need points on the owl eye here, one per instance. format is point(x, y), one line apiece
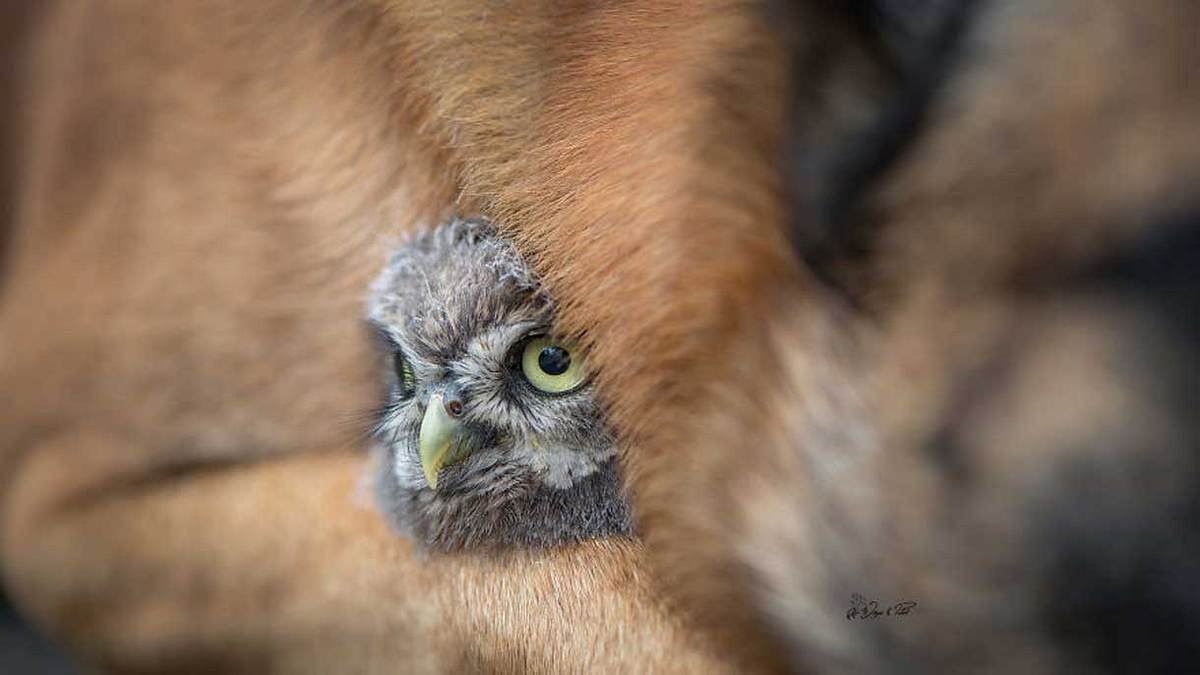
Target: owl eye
point(405, 378)
point(552, 367)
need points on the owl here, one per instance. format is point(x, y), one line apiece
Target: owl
point(490, 434)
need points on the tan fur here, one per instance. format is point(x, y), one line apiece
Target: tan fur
point(808, 472)
point(271, 567)
point(206, 188)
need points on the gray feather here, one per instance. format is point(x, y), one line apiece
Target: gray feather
point(458, 302)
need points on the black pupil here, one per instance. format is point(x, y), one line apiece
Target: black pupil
point(554, 360)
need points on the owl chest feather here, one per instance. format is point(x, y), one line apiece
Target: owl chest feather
point(518, 510)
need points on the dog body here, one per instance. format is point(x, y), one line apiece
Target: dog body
point(205, 191)
point(870, 366)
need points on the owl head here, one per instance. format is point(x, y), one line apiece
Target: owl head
point(490, 431)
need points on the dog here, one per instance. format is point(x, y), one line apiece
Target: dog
point(888, 303)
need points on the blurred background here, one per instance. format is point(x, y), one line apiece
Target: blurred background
point(1016, 222)
point(24, 650)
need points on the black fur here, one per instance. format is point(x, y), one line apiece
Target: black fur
point(905, 50)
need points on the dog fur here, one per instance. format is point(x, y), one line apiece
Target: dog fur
point(830, 375)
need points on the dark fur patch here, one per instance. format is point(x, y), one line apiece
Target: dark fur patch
point(1163, 269)
point(911, 48)
point(1121, 592)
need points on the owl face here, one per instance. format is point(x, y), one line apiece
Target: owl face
point(490, 430)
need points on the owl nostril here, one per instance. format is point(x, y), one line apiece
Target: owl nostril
point(454, 407)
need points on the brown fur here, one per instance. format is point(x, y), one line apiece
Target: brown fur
point(206, 190)
point(983, 411)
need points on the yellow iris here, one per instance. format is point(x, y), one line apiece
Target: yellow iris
point(552, 366)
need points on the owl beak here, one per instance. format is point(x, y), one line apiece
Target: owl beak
point(439, 438)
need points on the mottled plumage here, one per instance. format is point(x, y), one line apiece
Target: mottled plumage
point(457, 307)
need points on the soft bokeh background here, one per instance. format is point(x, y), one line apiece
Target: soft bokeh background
point(23, 650)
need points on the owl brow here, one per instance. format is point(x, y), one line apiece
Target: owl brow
point(511, 334)
point(384, 338)
point(388, 342)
